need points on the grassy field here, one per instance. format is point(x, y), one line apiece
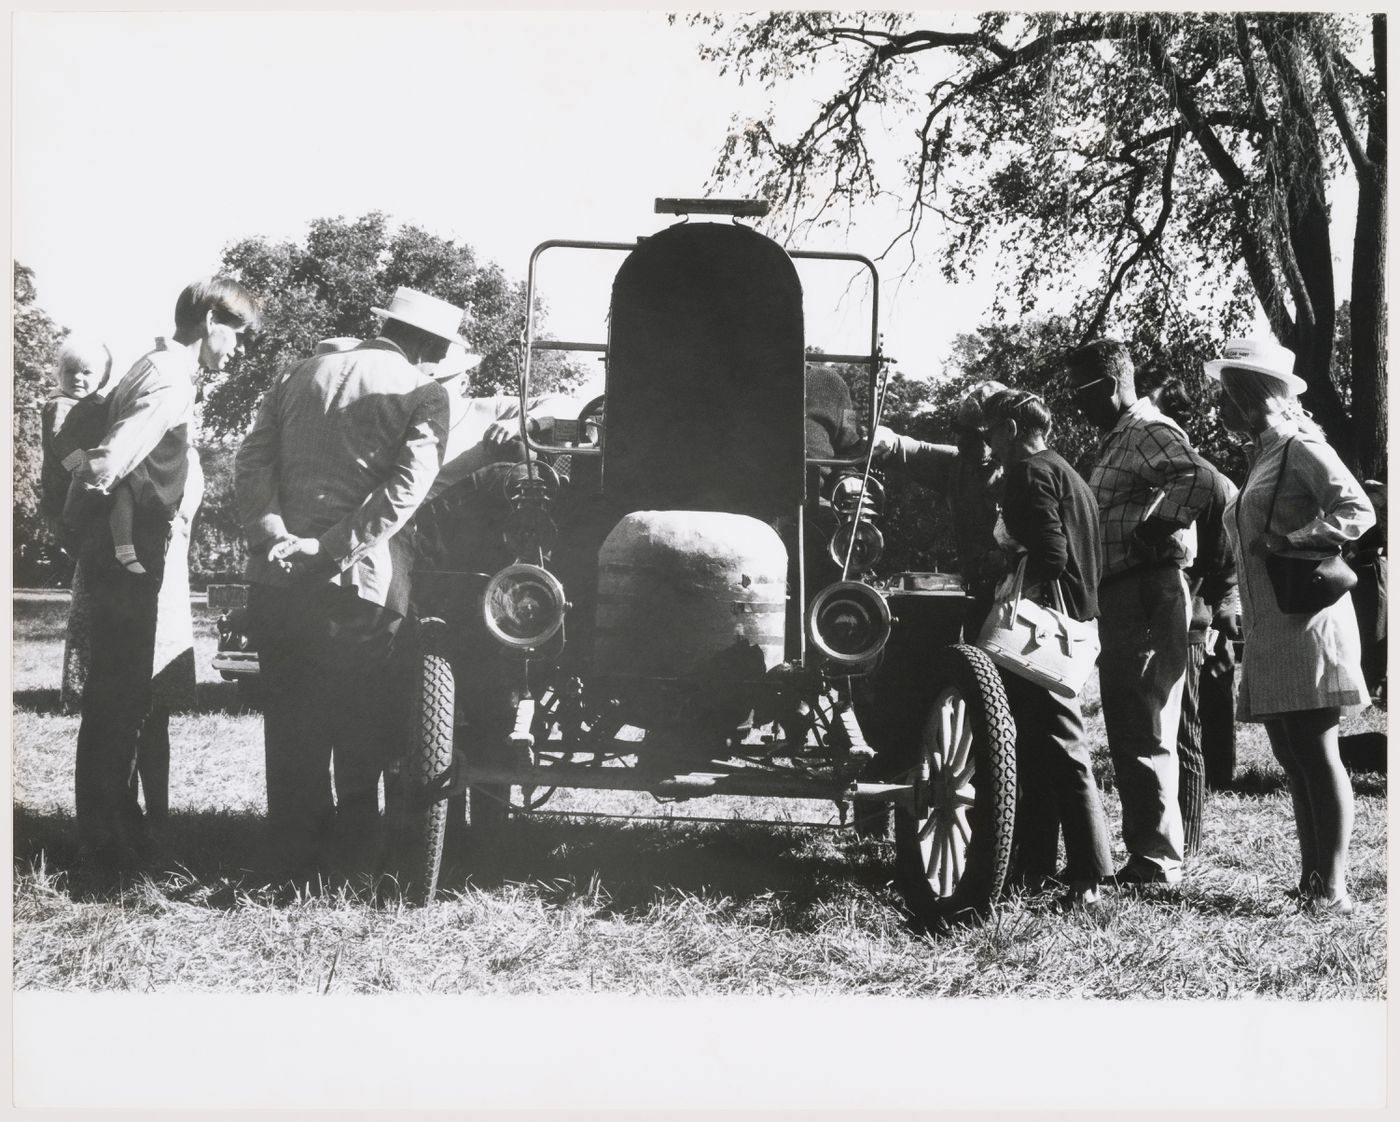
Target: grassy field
point(645, 907)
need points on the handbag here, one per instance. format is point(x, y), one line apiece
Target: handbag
point(1040, 643)
point(1305, 581)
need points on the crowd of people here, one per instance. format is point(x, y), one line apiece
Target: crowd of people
point(1157, 545)
point(1170, 558)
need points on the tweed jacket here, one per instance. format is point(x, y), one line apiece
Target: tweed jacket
point(344, 449)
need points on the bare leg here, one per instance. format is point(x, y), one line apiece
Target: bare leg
point(1278, 731)
point(1312, 736)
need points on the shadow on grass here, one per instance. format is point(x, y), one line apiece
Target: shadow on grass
point(637, 863)
point(210, 697)
point(1258, 782)
point(217, 859)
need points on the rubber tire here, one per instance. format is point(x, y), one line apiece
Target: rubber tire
point(1216, 698)
point(422, 829)
point(964, 676)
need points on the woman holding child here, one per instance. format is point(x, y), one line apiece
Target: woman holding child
point(141, 481)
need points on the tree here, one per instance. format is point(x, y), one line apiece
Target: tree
point(1184, 158)
point(328, 284)
point(35, 554)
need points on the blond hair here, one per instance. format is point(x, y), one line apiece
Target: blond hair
point(1254, 391)
point(82, 352)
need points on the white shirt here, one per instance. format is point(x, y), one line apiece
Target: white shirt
point(465, 450)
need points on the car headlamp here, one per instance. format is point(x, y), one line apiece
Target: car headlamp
point(869, 548)
point(524, 606)
point(849, 622)
point(846, 497)
point(534, 481)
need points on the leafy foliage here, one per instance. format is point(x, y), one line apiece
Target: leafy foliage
point(36, 556)
point(327, 285)
point(322, 286)
point(1160, 170)
point(1029, 354)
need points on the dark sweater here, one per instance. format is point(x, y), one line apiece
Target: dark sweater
point(1050, 510)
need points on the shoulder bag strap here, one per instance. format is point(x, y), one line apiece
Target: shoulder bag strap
point(1283, 463)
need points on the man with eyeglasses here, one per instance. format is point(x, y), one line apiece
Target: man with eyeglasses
point(1150, 486)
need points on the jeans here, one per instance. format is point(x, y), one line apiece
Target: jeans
point(1142, 668)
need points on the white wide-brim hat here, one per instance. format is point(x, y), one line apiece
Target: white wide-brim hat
point(454, 364)
point(1261, 356)
point(427, 313)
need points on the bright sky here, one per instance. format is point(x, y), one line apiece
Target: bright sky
point(146, 142)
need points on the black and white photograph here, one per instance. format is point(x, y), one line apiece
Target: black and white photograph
point(614, 560)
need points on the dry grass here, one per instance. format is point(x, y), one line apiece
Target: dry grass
point(640, 907)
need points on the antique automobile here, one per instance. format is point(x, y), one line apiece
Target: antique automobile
point(235, 658)
point(646, 603)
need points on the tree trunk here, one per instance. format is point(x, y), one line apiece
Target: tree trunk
point(1368, 311)
point(1307, 238)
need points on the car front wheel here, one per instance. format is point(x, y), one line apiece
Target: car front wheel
point(953, 851)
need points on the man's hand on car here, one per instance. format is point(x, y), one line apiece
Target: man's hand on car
point(885, 441)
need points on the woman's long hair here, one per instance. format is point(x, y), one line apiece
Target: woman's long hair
point(1251, 390)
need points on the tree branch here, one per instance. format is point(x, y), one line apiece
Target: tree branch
point(916, 41)
point(1326, 71)
point(1147, 241)
point(1252, 248)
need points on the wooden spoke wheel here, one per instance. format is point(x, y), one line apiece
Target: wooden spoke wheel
point(952, 853)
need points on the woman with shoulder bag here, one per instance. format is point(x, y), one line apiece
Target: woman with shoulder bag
point(1302, 660)
point(1050, 512)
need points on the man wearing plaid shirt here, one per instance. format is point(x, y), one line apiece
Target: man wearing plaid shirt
point(1150, 488)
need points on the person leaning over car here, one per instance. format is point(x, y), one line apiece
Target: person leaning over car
point(966, 475)
point(969, 477)
point(1150, 488)
point(344, 449)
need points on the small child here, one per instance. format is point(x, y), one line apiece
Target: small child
point(84, 366)
point(75, 419)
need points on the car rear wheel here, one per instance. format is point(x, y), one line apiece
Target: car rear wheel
point(426, 769)
point(952, 853)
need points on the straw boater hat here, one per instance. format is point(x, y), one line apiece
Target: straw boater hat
point(1259, 356)
point(455, 363)
point(427, 313)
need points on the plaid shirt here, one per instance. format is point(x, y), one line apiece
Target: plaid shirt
point(1146, 467)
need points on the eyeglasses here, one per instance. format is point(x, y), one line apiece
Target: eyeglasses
point(1079, 391)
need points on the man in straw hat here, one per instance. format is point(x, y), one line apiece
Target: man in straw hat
point(344, 449)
